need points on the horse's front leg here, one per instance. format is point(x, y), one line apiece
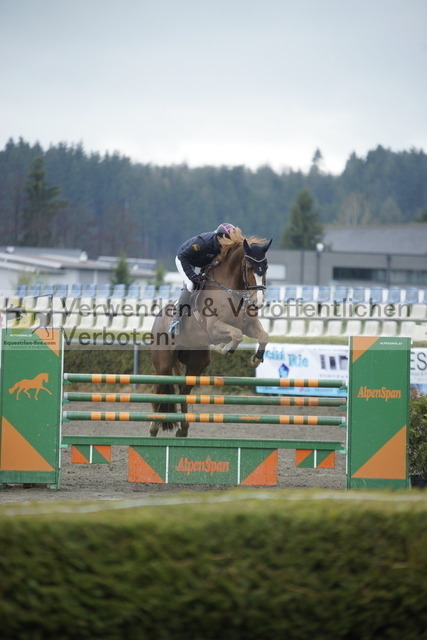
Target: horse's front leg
point(225, 337)
point(254, 329)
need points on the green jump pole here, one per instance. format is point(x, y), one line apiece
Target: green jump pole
point(281, 401)
point(125, 416)
point(112, 378)
point(223, 443)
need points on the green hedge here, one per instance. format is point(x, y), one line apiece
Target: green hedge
point(93, 360)
point(294, 566)
point(417, 441)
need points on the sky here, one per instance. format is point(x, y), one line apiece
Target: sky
point(216, 82)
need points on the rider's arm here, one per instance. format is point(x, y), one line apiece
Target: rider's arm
point(189, 255)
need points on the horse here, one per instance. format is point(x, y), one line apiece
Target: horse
point(221, 313)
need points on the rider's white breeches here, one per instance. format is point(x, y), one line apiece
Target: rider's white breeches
point(187, 282)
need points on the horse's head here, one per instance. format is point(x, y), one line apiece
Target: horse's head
point(255, 270)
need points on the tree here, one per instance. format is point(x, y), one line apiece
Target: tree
point(121, 273)
point(304, 230)
point(159, 277)
point(41, 208)
point(316, 161)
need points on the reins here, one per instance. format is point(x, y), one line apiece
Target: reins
point(248, 287)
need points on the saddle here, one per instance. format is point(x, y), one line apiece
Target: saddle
point(186, 305)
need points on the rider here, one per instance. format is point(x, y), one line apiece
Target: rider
point(195, 252)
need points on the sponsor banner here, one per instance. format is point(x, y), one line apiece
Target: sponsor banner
point(325, 362)
point(418, 370)
point(328, 362)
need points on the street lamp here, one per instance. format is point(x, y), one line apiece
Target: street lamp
point(319, 250)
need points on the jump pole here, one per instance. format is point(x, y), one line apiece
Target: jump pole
point(31, 416)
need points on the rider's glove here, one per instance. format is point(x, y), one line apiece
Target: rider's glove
point(197, 279)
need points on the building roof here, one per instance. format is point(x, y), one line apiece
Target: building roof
point(54, 260)
point(407, 239)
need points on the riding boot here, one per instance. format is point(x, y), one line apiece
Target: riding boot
point(181, 308)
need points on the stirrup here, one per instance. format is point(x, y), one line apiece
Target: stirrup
point(175, 327)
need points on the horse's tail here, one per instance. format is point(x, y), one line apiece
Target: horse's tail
point(168, 407)
point(164, 407)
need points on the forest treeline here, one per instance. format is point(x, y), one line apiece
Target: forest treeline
point(111, 205)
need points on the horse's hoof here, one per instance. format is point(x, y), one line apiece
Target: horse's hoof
point(254, 361)
point(219, 348)
point(181, 434)
point(154, 429)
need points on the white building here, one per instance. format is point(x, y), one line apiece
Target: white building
point(63, 267)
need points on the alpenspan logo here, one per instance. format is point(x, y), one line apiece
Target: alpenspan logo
point(382, 394)
point(208, 465)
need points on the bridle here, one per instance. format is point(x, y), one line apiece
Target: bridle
point(248, 287)
point(262, 268)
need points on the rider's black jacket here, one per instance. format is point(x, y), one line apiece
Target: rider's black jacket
point(198, 252)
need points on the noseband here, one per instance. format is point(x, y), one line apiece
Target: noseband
point(262, 268)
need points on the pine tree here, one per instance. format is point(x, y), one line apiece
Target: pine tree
point(41, 208)
point(304, 230)
point(121, 273)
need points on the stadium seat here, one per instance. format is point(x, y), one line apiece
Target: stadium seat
point(21, 290)
point(279, 327)
point(371, 328)
point(323, 293)
point(103, 290)
point(353, 328)
point(389, 328)
point(358, 294)
point(296, 327)
point(61, 290)
point(75, 290)
point(118, 291)
point(272, 294)
point(290, 292)
point(411, 295)
point(418, 312)
point(340, 293)
point(392, 295)
point(133, 291)
point(89, 290)
point(334, 328)
point(375, 295)
point(149, 291)
point(315, 328)
point(307, 293)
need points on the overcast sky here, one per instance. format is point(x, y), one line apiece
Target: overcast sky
point(218, 82)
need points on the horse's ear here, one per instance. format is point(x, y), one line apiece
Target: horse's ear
point(246, 245)
point(266, 246)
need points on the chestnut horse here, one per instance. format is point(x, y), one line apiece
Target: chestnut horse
point(221, 313)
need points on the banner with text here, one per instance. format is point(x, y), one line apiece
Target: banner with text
point(325, 362)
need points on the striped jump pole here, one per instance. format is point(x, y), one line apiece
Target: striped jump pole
point(229, 418)
point(281, 401)
point(195, 381)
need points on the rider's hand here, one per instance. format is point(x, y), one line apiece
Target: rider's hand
point(197, 279)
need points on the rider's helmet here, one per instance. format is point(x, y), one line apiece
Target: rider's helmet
point(224, 229)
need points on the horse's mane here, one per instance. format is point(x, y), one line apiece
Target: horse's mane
point(235, 241)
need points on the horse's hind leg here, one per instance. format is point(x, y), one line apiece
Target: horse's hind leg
point(158, 407)
point(195, 362)
point(164, 361)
